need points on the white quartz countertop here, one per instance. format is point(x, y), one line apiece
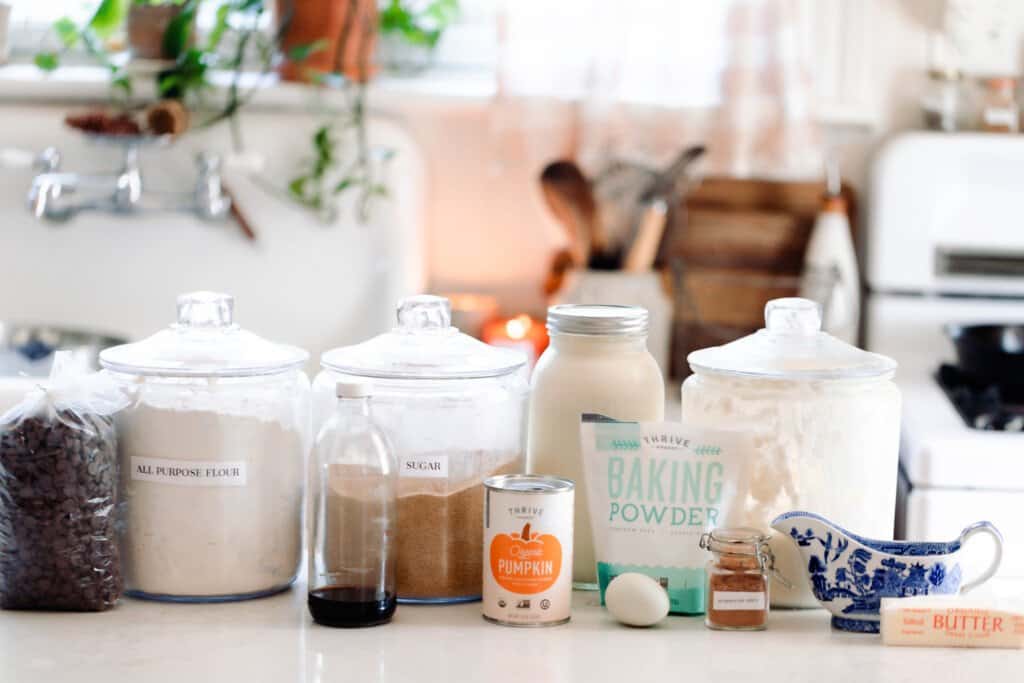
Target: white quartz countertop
point(274, 640)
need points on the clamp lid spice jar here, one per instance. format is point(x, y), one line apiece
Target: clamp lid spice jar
point(212, 452)
point(454, 409)
point(737, 579)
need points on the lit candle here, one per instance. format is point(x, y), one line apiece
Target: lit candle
point(470, 312)
point(520, 332)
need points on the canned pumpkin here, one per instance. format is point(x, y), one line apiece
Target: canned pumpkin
point(528, 522)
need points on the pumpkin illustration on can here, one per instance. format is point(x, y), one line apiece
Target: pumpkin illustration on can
point(526, 562)
point(527, 550)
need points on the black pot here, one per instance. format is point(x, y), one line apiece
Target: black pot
point(992, 355)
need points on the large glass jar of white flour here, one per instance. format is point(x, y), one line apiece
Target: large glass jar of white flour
point(597, 362)
point(212, 455)
point(825, 421)
point(455, 411)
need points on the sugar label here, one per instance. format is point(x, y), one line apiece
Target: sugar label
point(189, 472)
point(737, 600)
point(425, 466)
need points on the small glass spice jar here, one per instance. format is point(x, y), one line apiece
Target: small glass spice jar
point(737, 579)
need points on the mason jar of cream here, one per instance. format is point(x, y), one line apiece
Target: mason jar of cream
point(597, 362)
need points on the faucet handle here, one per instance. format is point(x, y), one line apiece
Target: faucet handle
point(208, 163)
point(48, 160)
point(210, 199)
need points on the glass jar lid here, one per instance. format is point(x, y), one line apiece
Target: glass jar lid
point(424, 345)
point(598, 320)
point(792, 345)
point(205, 342)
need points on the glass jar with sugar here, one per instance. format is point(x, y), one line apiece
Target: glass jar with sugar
point(455, 410)
point(212, 453)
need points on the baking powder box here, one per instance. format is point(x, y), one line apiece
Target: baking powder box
point(527, 550)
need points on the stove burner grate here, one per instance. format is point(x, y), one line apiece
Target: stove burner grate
point(981, 406)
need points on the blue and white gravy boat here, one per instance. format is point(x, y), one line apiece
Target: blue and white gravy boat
point(850, 574)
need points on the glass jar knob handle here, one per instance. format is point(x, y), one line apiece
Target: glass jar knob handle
point(424, 312)
point(206, 309)
point(792, 315)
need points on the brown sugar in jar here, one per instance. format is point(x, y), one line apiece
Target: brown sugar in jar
point(737, 579)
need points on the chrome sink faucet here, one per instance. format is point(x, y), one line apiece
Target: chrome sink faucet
point(58, 196)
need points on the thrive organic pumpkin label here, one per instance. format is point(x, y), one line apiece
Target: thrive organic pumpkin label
point(526, 562)
point(527, 554)
point(653, 489)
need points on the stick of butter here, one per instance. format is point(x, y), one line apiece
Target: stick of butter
point(952, 621)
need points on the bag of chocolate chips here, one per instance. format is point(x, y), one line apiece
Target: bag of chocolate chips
point(59, 510)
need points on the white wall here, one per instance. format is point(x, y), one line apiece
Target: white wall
point(488, 228)
point(302, 282)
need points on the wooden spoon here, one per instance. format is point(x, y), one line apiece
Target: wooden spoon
point(571, 199)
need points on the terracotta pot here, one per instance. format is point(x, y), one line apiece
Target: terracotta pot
point(349, 28)
point(146, 27)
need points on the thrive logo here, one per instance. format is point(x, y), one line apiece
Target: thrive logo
point(670, 440)
point(674, 441)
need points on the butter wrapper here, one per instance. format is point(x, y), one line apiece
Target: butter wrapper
point(952, 621)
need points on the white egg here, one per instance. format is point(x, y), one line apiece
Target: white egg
point(636, 599)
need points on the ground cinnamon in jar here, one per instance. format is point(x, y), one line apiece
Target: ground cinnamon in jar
point(737, 579)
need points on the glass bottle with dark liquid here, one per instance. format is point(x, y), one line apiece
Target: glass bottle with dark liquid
point(355, 484)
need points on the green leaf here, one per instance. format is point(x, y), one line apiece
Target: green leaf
point(122, 83)
point(67, 31)
point(220, 25)
point(423, 27)
point(109, 17)
point(301, 53)
point(179, 30)
point(47, 61)
point(415, 35)
point(167, 83)
point(379, 190)
point(344, 185)
point(297, 187)
point(444, 12)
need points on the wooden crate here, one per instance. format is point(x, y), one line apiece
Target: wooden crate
point(735, 245)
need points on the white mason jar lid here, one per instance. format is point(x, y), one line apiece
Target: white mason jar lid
point(598, 320)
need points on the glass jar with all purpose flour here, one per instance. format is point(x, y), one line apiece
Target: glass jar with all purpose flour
point(454, 409)
point(824, 418)
point(212, 454)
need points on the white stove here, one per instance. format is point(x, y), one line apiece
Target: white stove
point(946, 245)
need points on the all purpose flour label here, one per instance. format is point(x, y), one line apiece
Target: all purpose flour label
point(189, 472)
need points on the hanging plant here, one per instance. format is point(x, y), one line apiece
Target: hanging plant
point(326, 43)
point(411, 30)
point(92, 35)
point(341, 159)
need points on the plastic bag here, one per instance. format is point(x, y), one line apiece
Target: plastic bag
point(654, 488)
point(59, 512)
